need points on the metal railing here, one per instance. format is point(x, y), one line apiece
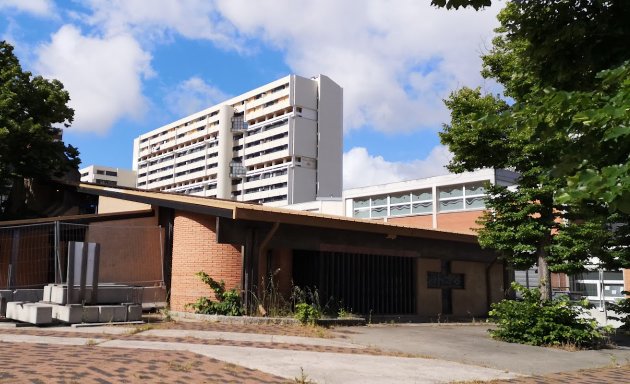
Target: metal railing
point(32, 256)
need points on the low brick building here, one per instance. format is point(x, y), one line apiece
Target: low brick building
point(371, 267)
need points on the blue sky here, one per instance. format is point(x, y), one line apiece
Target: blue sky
point(134, 65)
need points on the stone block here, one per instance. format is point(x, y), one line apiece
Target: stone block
point(72, 313)
point(90, 314)
point(6, 295)
point(112, 313)
point(34, 313)
point(134, 312)
point(32, 295)
point(107, 294)
point(47, 293)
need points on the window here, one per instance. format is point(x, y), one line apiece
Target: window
point(111, 173)
point(396, 204)
point(460, 197)
point(596, 285)
point(105, 182)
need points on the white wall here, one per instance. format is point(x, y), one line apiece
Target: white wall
point(330, 145)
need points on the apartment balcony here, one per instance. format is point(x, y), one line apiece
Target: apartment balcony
point(266, 194)
point(267, 180)
point(237, 170)
point(238, 123)
point(271, 108)
point(278, 155)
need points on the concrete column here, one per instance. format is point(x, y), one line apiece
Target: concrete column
point(226, 143)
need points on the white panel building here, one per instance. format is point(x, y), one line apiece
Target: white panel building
point(278, 144)
point(111, 176)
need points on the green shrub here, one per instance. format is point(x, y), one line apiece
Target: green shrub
point(229, 302)
point(622, 309)
point(306, 313)
point(543, 322)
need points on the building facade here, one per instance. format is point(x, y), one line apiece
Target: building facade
point(450, 202)
point(278, 144)
point(110, 176)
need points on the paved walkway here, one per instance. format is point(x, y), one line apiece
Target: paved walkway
point(210, 353)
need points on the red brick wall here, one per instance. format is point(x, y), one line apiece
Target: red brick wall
point(195, 249)
point(458, 221)
point(453, 221)
point(626, 280)
point(424, 221)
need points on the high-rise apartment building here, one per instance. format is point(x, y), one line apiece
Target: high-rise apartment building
point(278, 144)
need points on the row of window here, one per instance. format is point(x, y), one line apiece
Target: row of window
point(267, 175)
point(450, 198)
point(266, 188)
point(267, 127)
point(105, 182)
point(266, 140)
point(202, 118)
point(106, 173)
point(267, 151)
point(272, 199)
point(608, 285)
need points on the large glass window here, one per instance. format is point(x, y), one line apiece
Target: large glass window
point(422, 195)
point(400, 198)
point(399, 210)
point(466, 196)
point(379, 200)
point(596, 285)
point(475, 202)
point(475, 189)
point(452, 191)
point(425, 207)
point(396, 204)
point(379, 212)
point(451, 205)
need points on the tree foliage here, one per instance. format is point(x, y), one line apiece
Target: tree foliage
point(449, 4)
point(31, 111)
point(544, 322)
point(564, 128)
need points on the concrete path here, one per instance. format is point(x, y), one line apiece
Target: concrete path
point(321, 367)
point(251, 337)
point(470, 344)
point(324, 367)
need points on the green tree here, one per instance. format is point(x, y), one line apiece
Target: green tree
point(32, 109)
point(477, 4)
point(549, 56)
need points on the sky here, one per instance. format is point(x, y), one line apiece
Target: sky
point(131, 66)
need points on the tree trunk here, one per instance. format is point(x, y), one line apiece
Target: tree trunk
point(545, 276)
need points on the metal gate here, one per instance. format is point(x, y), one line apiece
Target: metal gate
point(362, 283)
point(32, 256)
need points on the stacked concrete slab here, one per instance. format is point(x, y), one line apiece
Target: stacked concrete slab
point(114, 303)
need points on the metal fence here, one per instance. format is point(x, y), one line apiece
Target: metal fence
point(32, 256)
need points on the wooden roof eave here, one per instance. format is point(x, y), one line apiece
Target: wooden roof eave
point(344, 223)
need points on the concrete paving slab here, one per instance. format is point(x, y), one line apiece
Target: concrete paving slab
point(32, 339)
point(471, 344)
point(330, 367)
point(102, 329)
point(252, 337)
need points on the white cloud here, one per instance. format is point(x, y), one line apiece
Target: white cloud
point(102, 75)
point(193, 19)
point(42, 8)
point(193, 95)
point(362, 169)
point(396, 61)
